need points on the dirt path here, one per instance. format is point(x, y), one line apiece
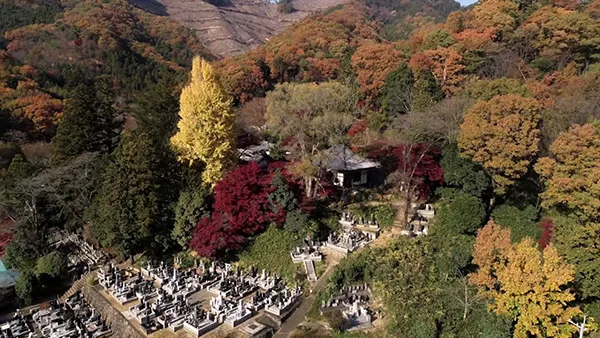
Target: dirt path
point(300, 313)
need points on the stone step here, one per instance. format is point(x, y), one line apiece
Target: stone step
point(309, 266)
point(76, 286)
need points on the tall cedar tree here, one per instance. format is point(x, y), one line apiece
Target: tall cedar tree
point(87, 124)
point(131, 210)
point(206, 126)
point(396, 95)
point(157, 110)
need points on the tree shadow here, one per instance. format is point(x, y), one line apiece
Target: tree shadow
point(152, 6)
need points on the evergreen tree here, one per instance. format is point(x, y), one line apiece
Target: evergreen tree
point(131, 211)
point(397, 91)
point(193, 204)
point(426, 91)
point(463, 174)
point(87, 124)
point(157, 111)
point(206, 125)
point(282, 198)
point(25, 287)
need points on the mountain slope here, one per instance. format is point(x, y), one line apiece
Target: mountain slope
point(237, 25)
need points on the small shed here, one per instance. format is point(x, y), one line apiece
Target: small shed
point(348, 168)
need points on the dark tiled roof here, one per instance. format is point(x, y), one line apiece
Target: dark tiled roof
point(340, 157)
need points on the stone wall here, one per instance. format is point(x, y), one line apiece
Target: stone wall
point(119, 325)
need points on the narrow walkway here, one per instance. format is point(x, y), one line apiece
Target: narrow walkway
point(300, 313)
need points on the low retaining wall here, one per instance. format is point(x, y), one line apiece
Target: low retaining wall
point(119, 325)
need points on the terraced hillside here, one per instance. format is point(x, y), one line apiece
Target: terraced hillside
point(233, 26)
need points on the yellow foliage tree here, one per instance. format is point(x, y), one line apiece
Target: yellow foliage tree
point(206, 126)
point(525, 284)
point(496, 14)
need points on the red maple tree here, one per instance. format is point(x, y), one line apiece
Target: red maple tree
point(242, 209)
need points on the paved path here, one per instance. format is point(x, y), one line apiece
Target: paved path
point(300, 313)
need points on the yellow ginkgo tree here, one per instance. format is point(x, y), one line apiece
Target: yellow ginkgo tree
point(205, 131)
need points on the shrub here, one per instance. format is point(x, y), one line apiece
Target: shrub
point(384, 214)
point(335, 319)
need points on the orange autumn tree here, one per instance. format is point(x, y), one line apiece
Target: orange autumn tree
point(372, 63)
point(445, 64)
point(524, 283)
point(42, 110)
point(502, 135)
point(561, 35)
point(571, 175)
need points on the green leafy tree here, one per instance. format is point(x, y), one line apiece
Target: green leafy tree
point(300, 224)
point(193, 204)
point(460, 213)
point(406, 282)
point(397, 91)
point(426, 91)
point(53, 264)
point(487, 89)
point(25, 287)
point(22, 252)
point(521, 222)
point(87, 124)
point(437, 38)
point(282, 197)
point(463, 174)
point(579, 244)
point(312, 118)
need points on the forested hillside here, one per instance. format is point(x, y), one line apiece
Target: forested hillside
point(51, 47)
point(109, 129)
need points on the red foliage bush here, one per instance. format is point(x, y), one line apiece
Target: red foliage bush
point(214, 235)
point(357, 128)
point(242, 209)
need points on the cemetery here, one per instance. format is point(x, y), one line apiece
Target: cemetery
point(197, 300)
point(355, 232)
point(81, 252)
point(17, 327)
point(308, 255)
point(74, 318)
point(205, 298)
point(420, 221)
point(353, 302)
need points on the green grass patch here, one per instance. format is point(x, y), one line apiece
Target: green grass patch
point(271, 251)
point(320, 268)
